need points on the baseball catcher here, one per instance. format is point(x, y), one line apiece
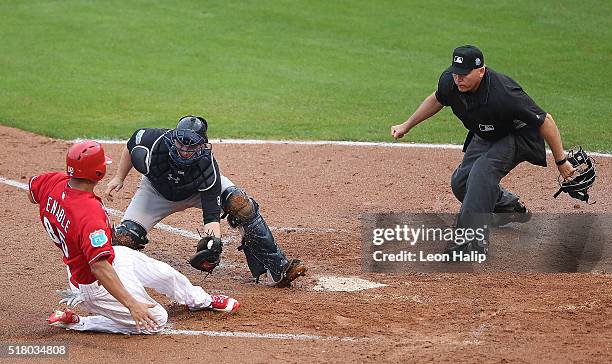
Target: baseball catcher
point(180, 171)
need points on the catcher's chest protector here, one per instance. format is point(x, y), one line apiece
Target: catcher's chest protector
point(176, 184)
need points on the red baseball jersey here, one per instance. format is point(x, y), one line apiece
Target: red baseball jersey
point(77, 223)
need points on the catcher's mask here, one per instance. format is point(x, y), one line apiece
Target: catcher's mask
point(86, 160)
point(188, 142)
point(578, 185)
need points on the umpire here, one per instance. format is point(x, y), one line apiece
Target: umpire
point(505, 127)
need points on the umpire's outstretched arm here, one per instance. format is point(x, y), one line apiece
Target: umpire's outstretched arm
point(428, 108)
point(550, 133)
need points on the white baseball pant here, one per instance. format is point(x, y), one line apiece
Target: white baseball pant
point(136, 271)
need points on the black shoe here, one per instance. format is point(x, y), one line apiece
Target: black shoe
point(480, 246)
point(517, 213)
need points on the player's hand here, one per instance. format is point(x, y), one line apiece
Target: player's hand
point(142, 317)
point(398, 131)
point(115, 184)
point(566, 170)
point(69, 297)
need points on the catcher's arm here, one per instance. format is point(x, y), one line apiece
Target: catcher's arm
point(116, 183)
point(550, 133)
point(208, 254)
point(213, 228)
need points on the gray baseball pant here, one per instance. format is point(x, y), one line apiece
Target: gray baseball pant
point(148, 207)
point(476, 180)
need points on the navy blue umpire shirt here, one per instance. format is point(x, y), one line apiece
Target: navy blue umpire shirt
point(498, 107)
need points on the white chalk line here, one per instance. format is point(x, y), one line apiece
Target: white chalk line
point(10, 182)
point(187, 233)
point(336, 142)
point(195, 236)
point(253, 335)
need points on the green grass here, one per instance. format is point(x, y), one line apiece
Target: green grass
point(341, 70)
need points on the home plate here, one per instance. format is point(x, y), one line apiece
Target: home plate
point(344, 284)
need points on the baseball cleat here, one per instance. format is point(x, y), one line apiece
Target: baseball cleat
point(63, 319)
point(223, 303)
point(295, 268)
point(517, 213)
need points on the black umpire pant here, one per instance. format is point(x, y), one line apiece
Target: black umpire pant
point(475, 182)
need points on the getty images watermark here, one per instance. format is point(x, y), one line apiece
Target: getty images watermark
point(427, 242)
point(412, 236)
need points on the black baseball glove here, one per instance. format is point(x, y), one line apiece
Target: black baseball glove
point(208, 254)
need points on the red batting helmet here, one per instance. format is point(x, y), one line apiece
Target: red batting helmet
point(86, 160)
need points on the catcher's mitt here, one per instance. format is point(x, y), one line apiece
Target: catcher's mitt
point(578, 185)
point(208, 254)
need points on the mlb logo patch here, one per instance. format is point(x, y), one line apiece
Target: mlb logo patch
point(98, 238)
point(486, 127)
point(458, 59)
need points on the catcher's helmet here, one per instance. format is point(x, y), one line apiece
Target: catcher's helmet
point(584, 177)
point(86, 160)
point(188, 142)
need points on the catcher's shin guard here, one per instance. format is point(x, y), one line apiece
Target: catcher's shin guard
point(262, 253)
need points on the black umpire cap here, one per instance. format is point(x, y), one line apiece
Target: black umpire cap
point(465, 59)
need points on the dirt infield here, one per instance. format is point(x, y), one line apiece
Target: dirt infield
point(314, 195)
